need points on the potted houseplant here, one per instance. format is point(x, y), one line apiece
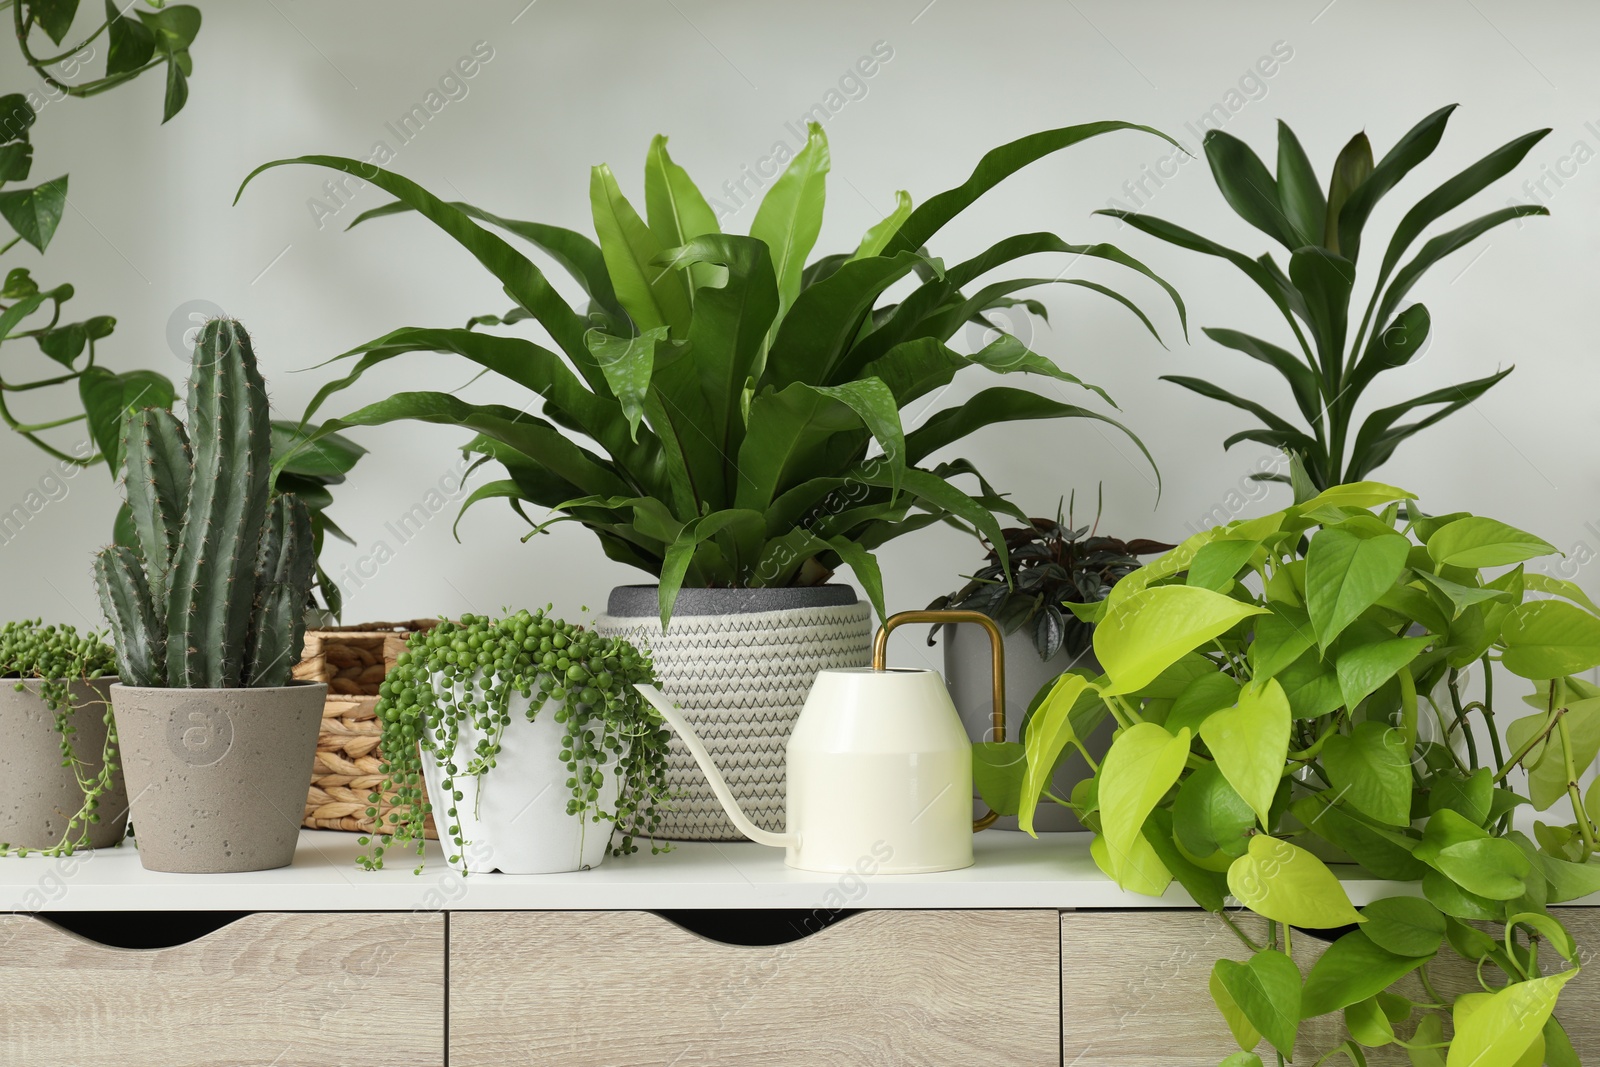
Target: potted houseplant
point(208, 614)
point(1326, 716)
point(1329, 364)
point(741, 410)
point(1053, 568)
point(61, 788)
point(540, 753)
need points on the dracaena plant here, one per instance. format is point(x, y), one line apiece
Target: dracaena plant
point(726, 413)
point(1332, 355)
point(1292, 689)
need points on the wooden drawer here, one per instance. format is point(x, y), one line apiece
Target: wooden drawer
point(1135, 990)
point(630, 988)
point(271, 989)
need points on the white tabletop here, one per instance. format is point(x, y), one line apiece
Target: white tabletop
point(1012, 871)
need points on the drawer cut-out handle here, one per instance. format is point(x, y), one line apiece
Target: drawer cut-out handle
point(142, 929)
point(755, 926)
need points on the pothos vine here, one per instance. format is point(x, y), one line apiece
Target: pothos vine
point(54, 658)
point(467, 674)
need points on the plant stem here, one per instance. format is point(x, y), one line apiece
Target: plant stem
point(1239, 933)
point(1527, 746)
point(1461, 718)
point(1488, 708)
point(1584, 826)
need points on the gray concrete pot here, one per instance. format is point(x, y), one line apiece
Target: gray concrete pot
point(38, 796)
point(218, 776)
point(966, 672)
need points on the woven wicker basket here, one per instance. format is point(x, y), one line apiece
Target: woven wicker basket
point(353, 660)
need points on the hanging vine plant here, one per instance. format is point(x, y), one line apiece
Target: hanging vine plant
point(55, 657)
point(467, 674)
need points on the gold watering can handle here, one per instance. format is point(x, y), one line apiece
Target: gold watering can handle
point(880, 662)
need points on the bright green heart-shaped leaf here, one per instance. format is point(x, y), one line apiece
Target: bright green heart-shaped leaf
point(1050, 730)
point(1545, 583)
point(1496, 1029)
point(1142, 765)
point(1489, 867)
point(1311, 686)
point(1370, 770)
point(1210, 816)
point(1216, 563)
point(1239, 1025)
point(1460, 597)
point(1267, 991)
point(1141, 870)
point(1346, 573)
point(1280, 638)
point(1144, 634)
point(1352, 969)
point(1283, 882)
point(1429, 1033)
point(1241, 1059)
point(1367, 1023)
point(1475, 542)
point(1200, 699)
point(1569, 880)
point(1458, 903)
point(1355, 495)
point(1405, 926)
point(997, 770)
point(1550, 638)
point(1209, 888)
point(1250, 743)
point(1471, 796)
point(1362, 669)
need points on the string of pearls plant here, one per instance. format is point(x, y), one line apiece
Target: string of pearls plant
point(55, 657)
point(468, 672)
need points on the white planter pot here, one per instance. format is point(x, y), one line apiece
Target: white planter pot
point(739, 663)
point(966, 671)
point(515, 821)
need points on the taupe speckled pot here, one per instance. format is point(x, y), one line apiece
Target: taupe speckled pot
point(38, 796)
point(217, 777)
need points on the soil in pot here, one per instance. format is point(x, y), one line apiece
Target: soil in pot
point(218, 777)
point(739, 662)
point(38, 795)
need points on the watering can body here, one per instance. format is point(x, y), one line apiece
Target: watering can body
point(879, 775)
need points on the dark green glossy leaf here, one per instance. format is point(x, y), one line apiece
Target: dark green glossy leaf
point(1352, 968)
point(1248, 187)
point(1372, 182)
point(1302, 380)
point(130, 42)
point(54, 17)
point(1299, 195)
point(1404, 926)
point(1379, 852)
point(35, 213)
point(1209, 816)
point(107, 397)
point(1369, 769)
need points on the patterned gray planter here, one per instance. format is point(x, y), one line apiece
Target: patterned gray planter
point(739, 662)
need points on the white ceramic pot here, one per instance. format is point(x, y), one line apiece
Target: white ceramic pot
point(966, 671)
point(515, 821)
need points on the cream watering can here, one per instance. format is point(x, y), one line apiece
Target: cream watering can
point(879, 765)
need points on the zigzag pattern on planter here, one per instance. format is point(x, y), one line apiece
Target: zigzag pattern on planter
point(741, 681)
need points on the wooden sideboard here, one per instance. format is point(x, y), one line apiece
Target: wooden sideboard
point(1030, 958)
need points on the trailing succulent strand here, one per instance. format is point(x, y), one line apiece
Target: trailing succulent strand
point(467, 673)
point(211, 596)
point(55, 657)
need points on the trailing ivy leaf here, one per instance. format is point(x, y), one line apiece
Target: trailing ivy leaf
point(1209, 816)
point(997, 772)
point(1215, 564)
point(1489, 867)
point(1378, 852)
point(1352, 969)
point(1143, 763)
point(177, 93)
point(1280, 881)
point(1050, 729)
point(1280, 639)
point(1208, 888)
point(1404, 926)
point(1241, 1059)
point(1250, 743)
point(1365, 667)
point(107, 397)
point(1140, 871)
point(35, 213)
point(1266, 990)
point(16, 160)
point(1239, 1025)
point(1311, 686)
point(1549, 639)
point(1475, 542)
point(1470, 796)
point(1495, 1029)
point(1346, 573)
point(1200, 699)
point(131, 44)
point(54, 17)
point(1370, 769)
point(1144, 634)
point(1368, 1024)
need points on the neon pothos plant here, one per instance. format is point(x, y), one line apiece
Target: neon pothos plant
point(1279, 708)
point(743, 406)
point(1328, 367)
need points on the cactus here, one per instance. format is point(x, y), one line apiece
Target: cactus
point(211, 597)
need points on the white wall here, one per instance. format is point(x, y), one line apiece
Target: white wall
point(151, 229)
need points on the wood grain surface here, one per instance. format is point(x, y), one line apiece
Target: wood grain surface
point(1134, 989)
point(630, 988)
point(271, 990)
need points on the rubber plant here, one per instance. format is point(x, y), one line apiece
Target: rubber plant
point(1291, 690)
point(469, 672)
point(214, 595)
point(55, 657)
point(743, 405)
point(1329, 365)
